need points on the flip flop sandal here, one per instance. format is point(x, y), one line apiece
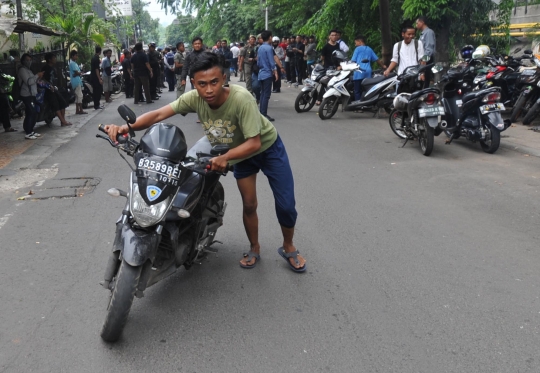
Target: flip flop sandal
point(250, 255)
point(67, 124)
point(287, 256)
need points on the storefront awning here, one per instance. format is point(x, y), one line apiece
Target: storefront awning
point(10, 25)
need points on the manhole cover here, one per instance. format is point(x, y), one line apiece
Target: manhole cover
point(72, 187)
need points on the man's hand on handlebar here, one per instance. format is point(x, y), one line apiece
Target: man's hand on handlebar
point(113, 131)
point(219, 164)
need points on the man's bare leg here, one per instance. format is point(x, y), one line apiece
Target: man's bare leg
point(288, 234)
point(248, 191)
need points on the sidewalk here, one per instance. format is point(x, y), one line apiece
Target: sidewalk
point(521, 139)
point(18, 153)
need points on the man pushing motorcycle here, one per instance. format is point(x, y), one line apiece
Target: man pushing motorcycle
point(229, 115)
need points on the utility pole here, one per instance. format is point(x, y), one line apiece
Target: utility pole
point(266, 16)
point(21, 35)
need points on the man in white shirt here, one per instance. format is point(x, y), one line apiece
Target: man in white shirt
point(235, 51)
point(406, 53)
point(342, 45)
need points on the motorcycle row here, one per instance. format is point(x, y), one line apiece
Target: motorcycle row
point(17, 108)
point(467, 102)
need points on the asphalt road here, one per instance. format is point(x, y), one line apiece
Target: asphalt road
point(415, 264)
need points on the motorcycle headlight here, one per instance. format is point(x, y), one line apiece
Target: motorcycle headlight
point(145, 215)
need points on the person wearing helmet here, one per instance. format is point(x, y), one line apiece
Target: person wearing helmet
point(407, 52)
point(466, 52)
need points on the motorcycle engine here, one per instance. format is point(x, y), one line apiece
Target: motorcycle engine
point(471, 122)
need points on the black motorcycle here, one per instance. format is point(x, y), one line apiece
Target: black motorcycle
point(474, 115)
point(529, 93)
point(174, 208)
point(417, 115)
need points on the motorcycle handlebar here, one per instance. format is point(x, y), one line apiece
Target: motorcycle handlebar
point(121, 138)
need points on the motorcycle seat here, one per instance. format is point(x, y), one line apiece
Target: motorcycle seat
point(469, 96)
point(372, 81)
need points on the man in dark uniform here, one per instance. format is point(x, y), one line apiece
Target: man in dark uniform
point(154, 57)
point(95, 78)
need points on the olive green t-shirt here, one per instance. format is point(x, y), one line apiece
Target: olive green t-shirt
point(237, 120)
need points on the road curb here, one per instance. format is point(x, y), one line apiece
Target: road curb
point(527, 150)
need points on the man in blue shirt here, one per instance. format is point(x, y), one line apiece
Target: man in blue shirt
point(267, 71)
point(76, 82)
point(363, 52)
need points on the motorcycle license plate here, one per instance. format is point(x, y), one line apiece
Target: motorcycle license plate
point(433, 111)
point(491, 108)
point(162, 170)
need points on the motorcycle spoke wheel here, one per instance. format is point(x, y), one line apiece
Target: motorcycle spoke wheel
point(328, 107)
point(304, 102)
point(396, 123)
point(120, 302)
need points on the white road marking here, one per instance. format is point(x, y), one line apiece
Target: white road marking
point(4, 220)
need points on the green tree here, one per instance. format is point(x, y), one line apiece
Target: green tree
point(459, 22)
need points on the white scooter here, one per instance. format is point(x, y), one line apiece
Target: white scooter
point(340, 89)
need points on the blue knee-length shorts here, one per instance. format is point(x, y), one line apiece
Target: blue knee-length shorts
point(274, 163)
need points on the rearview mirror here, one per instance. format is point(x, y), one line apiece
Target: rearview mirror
point(127, 114)
point(219, 149)
point(437, 68)
point(528, 51)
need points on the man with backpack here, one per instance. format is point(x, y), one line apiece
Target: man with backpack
point(168, 61)
point(407, 52)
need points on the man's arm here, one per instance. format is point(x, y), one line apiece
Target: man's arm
point(245, 150)
point(394, 61)
point(143, 122)
point(430, 43)
point(344, 47)
point(149, 69)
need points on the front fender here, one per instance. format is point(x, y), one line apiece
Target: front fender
point(332, 92)
point(136, 246)
point(308, 89)
point(494, 120)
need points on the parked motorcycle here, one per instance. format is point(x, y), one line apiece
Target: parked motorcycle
point(377, 92)
point(307, 97)
point(174, 208)
point(340, 90)
point(87, 90)
point(419, 112)
point(528, 103)
point(117, 78)
point(16, 108)
point(474, 115)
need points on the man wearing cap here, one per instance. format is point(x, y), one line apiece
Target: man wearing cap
point(247, 62)
point(154, 57)
point(280, 54)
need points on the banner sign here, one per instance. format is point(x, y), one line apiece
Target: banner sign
point(118, 8)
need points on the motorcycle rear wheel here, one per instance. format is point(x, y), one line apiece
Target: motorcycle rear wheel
point(328, 107)
point(304, 102)
point(426, 138)
point(120, 303)
point(493, 144)
point(531, 114)
point(396, 122)
point(517, 110)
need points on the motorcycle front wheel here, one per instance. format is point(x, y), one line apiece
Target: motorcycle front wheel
point(426, 138)
point(396, 123)
point(328, 107)
point(125, 285)
point(117, 88)
point(304, 102)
